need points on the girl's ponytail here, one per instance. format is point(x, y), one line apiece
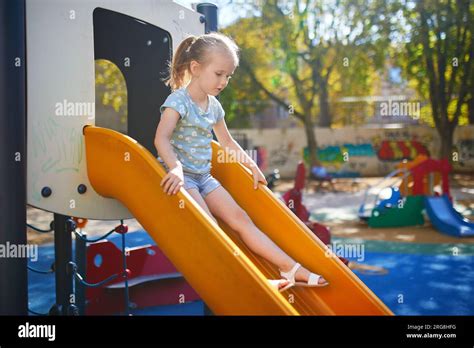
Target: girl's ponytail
point(200, 49)
point(179, 64)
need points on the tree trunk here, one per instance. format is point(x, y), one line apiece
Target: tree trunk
point(325, 112)
point(446, 135)
point(311, 140)
point(470, 107)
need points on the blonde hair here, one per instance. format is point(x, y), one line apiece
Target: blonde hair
point(200, 49)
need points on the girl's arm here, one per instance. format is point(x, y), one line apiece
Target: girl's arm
point(236, 152)
point(173, 181)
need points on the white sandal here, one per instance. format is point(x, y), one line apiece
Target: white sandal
point(313, 280)
point(275, 282)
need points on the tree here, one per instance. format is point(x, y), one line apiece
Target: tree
point(291, 50)
point(243, 97)
point(439, 52)
point(111, 91)
point(470, 99)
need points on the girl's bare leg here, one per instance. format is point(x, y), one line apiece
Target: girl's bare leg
point(222, 205)
point(198, 198)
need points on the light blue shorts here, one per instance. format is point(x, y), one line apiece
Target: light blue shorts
point(204, 183)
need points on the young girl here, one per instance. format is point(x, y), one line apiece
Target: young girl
point(200, 70)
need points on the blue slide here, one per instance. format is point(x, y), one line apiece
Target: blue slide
point(446, 219)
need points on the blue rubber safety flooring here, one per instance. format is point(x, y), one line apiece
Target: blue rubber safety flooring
point(422, 279)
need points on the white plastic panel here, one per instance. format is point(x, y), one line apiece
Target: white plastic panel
point(60, 67)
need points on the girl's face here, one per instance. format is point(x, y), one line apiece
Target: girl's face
point(214, 77)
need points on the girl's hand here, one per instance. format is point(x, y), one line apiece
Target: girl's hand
point(257, 176)
point(173, 181)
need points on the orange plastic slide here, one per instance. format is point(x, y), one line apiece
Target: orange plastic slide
point(224, 272)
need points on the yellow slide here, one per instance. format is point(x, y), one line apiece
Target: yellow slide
point(230, 279)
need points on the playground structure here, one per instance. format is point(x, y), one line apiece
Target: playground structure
point(49, 142)
point(77, 170)
point(406, 186)
point(422, 184)
point(293, 199)
point(152, 280)
point(230, 278)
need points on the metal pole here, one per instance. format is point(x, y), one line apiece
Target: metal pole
point(13, 271)
point(210, 16)
point(125, 275)
point(63, 255)
point(80, 291)
point(431, 184)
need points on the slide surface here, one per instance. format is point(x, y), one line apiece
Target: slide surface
point(446, 219)
point(221, 269)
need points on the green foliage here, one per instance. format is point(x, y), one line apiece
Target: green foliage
point(111, 89)
point(298, 51)
point(437, 47)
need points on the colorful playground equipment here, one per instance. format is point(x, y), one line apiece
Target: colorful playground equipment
point(384, 195)
point(57, 160)
point(424, 175)
point(220, 268)
point(293, 198)
point(42, 145)
point(447, 219)
point(406, 186)
point(152, 280)
point(417, 186)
